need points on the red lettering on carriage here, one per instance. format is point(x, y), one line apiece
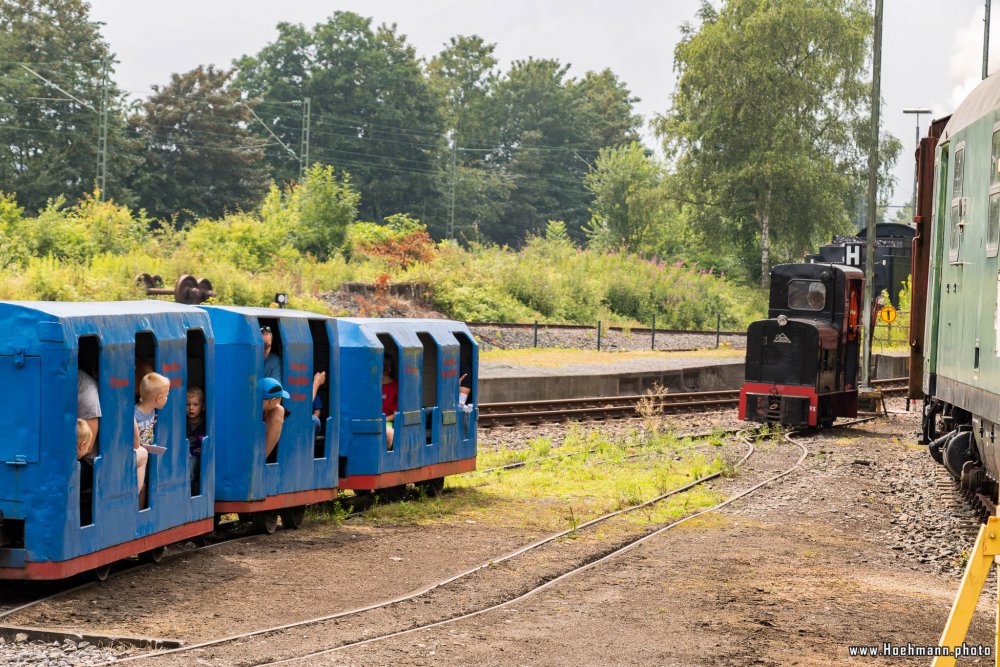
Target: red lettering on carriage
point(298, 397)
point(450, 362)
point(175, 383)
point(171, 368)
point(118, 383)
point(411, 370)
point(298, 381)
point(300, 367)
point(449, 374)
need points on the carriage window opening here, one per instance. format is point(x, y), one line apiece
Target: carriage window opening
point(993, 226)
point(145, 416)
point(806, 295)
point(321, 401)
point(12, 534)
point(995, 159)
point(428, 380)
point(270, 333)
point(955, 230)
point(959, 175)
point(465, 384)
point(88, 409)
point(196, 409)
point(391, 375)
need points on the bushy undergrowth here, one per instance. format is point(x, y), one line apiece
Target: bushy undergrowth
point(93, 250)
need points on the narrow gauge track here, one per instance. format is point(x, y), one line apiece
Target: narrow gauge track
point(618, 407)
point(232, 643)
point(31, 593)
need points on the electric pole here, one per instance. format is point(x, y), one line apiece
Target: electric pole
point(451, 203)
point(102, 134)
point(876, 100)
point(304, 150)
point(986, 42)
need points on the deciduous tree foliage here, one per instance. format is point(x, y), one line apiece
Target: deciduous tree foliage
point(768, 121)
point(48, 141)
point(200, 157)
point(628, 198)
point(373, 111)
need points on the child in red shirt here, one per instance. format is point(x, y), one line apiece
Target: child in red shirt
point(390, 399)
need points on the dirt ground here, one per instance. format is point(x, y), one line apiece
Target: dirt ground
point(793, 575)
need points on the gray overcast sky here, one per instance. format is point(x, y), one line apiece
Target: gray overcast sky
point(932, 49)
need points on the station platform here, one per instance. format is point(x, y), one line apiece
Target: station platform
point(619, 374)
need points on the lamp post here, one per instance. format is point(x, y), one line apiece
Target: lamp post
point(916, 112)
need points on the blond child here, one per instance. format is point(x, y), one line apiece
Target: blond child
point(83, 438)
point(153, 392)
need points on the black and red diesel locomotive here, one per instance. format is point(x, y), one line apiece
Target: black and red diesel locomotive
point(802, 362)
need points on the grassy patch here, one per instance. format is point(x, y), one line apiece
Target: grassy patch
point(560, 488)
point(555, 357)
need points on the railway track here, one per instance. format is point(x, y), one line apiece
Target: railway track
point(618, 407)
point(284, 644)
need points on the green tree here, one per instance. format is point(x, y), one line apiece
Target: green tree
point(373, 111)
point(53, 62)
point(766, 131)
point(610, 107)
point(200, 157)
point(628, 198)
point(327, 205)
point(550, 129)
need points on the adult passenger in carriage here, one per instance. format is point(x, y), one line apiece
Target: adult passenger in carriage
point(274, 414)
point(272, 360)
point(390, 399)
point(88, 408)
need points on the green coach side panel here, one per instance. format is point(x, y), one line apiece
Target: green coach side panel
point(962, 322)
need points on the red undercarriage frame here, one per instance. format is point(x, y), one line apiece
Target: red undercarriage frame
point(67, 568)
point(385, 480)
point(844, 403)
point(278, 502)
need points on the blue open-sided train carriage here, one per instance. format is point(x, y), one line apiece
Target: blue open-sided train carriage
point(434, 437)
point(304, 468)
point(60, 516)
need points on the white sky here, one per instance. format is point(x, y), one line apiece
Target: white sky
point(932, 49)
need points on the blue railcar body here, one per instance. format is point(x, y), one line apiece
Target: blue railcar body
point(244, 481)
point(433, 436)
point(40, 478)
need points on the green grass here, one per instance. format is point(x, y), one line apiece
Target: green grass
point(566, 491)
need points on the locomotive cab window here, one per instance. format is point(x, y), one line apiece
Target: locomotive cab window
point(806, 295)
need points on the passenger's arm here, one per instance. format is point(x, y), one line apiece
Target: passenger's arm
point(135, 433)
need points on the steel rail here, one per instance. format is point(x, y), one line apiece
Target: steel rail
point(566, 575)
point(427, 589)
point(561, 409)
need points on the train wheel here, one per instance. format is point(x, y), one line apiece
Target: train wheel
point(827, 423)
point(101, 573)
point(153, 555)
point(394, 493)
point(293, 517)
point(265, 522)
point(434, 487)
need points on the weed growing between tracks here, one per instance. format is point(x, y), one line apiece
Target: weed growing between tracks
point(562, 487)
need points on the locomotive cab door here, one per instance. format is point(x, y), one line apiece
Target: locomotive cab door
point(851, 333)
